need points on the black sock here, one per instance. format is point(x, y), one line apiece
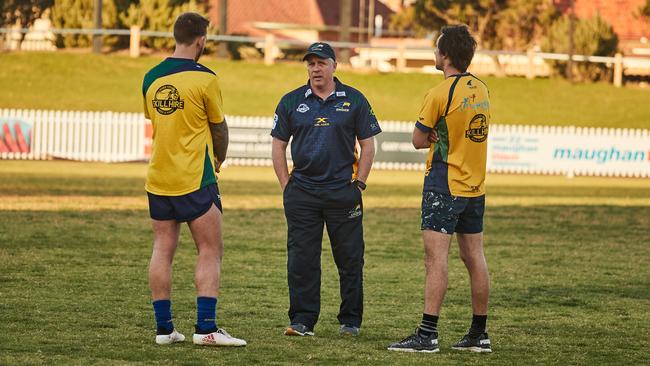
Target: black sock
point(428, 326)
point(478, 325)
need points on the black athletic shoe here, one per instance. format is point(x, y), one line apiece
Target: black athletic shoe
point(474, 344)
point(416, 343)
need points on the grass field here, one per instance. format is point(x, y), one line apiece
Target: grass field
point(83, 81)
point(569, 261)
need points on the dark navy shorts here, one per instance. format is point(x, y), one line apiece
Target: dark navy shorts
point(186, 207)
point(448, 214)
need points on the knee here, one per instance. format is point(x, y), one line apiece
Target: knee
point(471, 258)
point(434, 262)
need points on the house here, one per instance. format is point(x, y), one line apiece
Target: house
point(305, 20)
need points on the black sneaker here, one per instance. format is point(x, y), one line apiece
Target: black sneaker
point(416, 343)
point(347, 329)
point(299, 330)
point(474, 344)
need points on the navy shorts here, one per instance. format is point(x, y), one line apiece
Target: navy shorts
point(186, 207)
point(448, 214)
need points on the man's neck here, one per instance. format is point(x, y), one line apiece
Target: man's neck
point(326, 90)
point(184, 52)
point(450, 70)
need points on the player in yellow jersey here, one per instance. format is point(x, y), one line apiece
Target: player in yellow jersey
point(190, 139)
point(453, 124)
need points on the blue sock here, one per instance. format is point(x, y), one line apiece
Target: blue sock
point(163, 311)
point(206, 314)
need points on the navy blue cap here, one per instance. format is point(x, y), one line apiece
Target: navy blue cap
point(320, 49)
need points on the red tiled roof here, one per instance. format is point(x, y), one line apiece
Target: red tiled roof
point(243, 13)
point(621, 14)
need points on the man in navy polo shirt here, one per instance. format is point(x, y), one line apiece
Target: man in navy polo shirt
point(325, 118)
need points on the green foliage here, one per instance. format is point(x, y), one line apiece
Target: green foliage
point(405, 21)
point(592, 37)
point(79, 14)
point(159, 15)
point(523, 24)
point(497, 24)
point(479, 15)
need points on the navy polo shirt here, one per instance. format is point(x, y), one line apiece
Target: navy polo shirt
point(323, 148)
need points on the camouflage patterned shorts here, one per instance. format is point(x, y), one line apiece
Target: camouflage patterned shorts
point(448, 214)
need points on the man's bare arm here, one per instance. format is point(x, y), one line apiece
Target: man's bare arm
point(366, 158)
point(279, 156)
point(219, 132)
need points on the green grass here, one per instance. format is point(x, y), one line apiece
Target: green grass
point(569, 261)
point(83, 81)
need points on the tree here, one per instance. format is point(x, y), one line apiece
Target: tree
point(523, 24)
point(497, 24)
point(158, 15)
point(79, 14)
point(645, 10)
point(592, 37)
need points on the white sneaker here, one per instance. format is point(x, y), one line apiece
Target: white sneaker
point(173, 337)
point(218, 338)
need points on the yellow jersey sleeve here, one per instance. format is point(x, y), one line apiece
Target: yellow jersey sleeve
point(433, 107)
point(214, 102)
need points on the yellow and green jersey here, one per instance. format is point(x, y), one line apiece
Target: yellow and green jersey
point(459, 110)
point(181, 98)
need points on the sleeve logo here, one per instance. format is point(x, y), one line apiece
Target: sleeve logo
point(167, 100)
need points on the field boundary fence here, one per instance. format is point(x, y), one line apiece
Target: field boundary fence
point(518, 149)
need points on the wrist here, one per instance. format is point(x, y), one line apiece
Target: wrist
point(361, 185)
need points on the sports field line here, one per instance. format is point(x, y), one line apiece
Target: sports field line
point(251, 202)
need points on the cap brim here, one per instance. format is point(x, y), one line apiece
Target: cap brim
point(316, 53)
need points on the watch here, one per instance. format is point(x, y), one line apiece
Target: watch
point(360, 184)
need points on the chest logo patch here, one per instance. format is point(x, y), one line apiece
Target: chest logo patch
point(478, 128)
point(343, 106)
point(321, 122)
point(302, 108)
point(167, 100)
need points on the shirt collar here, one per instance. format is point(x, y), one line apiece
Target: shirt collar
point(338, 92)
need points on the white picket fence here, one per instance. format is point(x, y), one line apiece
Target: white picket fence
point(80, 135)
point(119, 137)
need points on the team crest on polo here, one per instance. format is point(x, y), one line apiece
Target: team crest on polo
point(167, 100)
point(302, 108)
point(343, 106)
point(478, 128)
point(321, 122)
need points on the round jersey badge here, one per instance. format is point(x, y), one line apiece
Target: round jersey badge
point(167, 100)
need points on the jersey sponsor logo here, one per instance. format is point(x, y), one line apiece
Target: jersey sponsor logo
point(167, 100)
point(470, 102)
point(302, 108)
point(478, 128)
point(470, 85)
point(321, 122)
point(307, 93)
point(340, 93)
point(343, 106)
point(275, 121)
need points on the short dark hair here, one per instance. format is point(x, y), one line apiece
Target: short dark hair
point(190, 26)
point(458, 44)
